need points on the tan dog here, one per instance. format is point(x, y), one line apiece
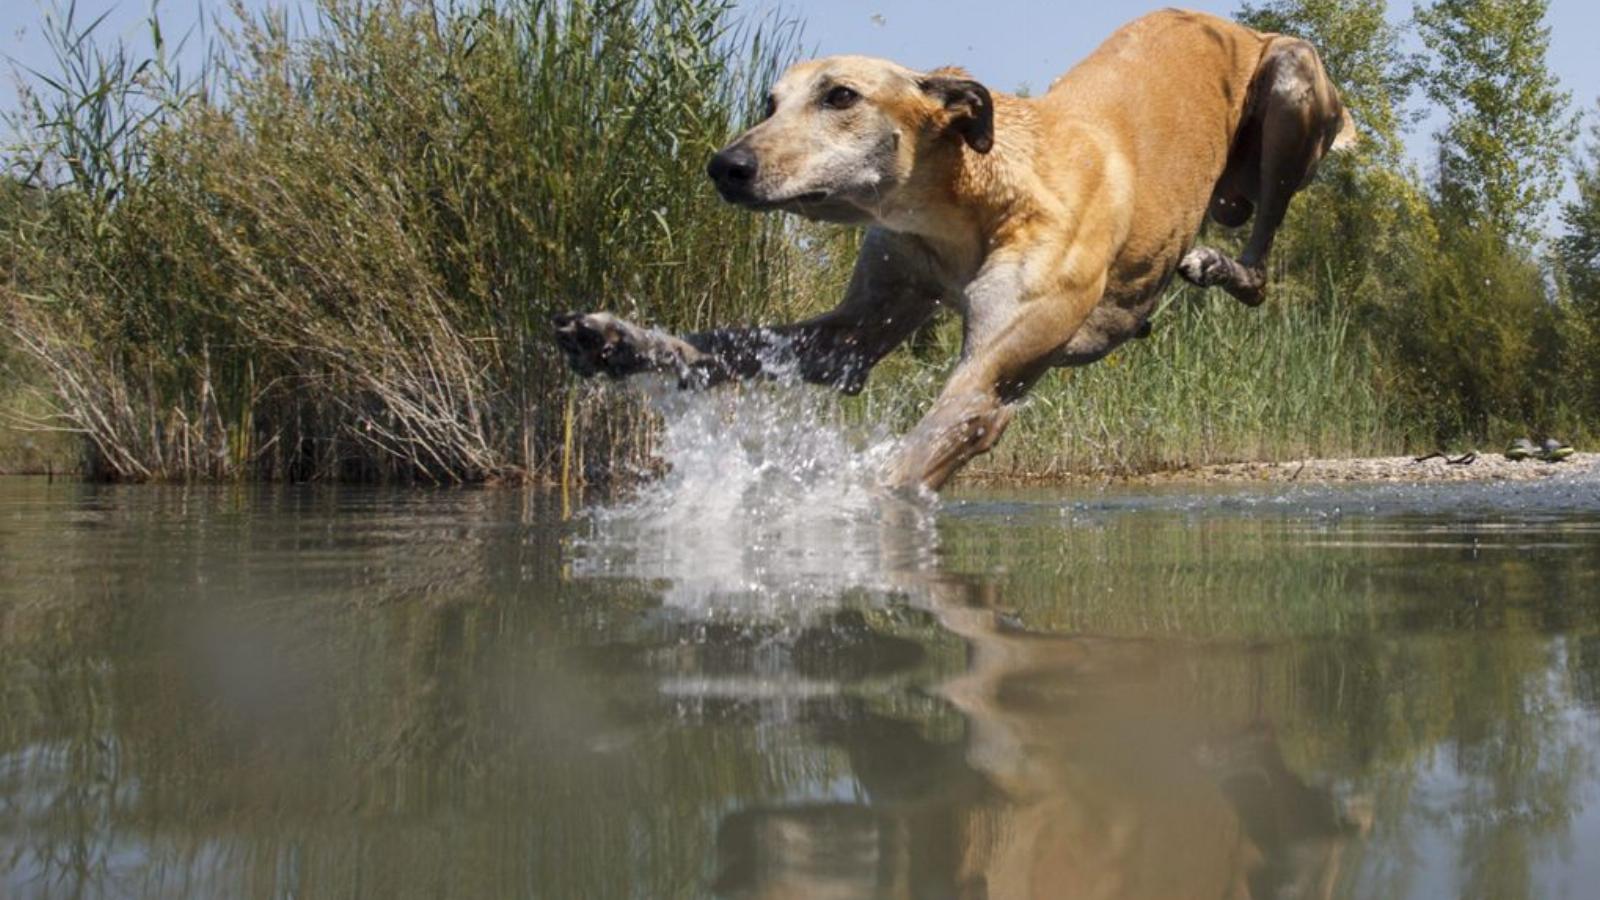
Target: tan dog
point(1052, 224)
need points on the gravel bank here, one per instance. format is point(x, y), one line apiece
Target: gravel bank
point(1487, 467)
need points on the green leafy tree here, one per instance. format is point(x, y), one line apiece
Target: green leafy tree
point(1502, 146)
point(1470, 338)
point(1578, 249)
point(1486, 343)
point(1577, 253)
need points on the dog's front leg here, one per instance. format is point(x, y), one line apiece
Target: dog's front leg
point(1011, 344)
point(962, 424)
point(891, 293)
point(838, 348)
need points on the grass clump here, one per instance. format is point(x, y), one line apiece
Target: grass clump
point(1215, 382)
point(335, 254)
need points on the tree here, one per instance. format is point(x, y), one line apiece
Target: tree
point(1469, 339)
point(1578, 249)
point(1502, 146)
point(1577, 253)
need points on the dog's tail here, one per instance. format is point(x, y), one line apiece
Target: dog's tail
point(1348, 136)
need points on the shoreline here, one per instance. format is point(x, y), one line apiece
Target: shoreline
point(1317, 470)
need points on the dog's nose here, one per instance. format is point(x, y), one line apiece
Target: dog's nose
point(735, 167)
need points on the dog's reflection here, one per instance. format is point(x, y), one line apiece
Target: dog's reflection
point(1081, 774)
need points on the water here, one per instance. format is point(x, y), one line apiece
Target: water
point(727, 687)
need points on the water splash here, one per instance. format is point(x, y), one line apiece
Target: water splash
point(770, 503)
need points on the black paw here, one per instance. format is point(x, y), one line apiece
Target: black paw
point(1206, 267)
point(599, 343)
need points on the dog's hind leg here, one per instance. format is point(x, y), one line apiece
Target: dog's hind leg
point(1294, 118)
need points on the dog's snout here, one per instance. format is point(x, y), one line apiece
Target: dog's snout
point(733, 167)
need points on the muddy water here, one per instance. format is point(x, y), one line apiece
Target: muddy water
point(342, 693)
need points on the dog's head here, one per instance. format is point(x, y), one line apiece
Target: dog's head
point(843, 135)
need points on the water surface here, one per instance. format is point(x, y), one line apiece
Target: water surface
point(313, 692)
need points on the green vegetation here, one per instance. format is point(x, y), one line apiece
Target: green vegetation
point(338, 256)
point(333, 254)
point(1476, 341)
point(1578, 255)
point(1500, 151)
point(1214, 383)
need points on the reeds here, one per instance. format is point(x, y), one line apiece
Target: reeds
point(1215, 382)
point(336, 254)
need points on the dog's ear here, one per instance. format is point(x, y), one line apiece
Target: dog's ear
point(969, 106)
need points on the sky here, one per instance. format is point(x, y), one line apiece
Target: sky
point(1007, 44)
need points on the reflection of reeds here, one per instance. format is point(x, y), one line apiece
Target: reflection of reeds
point(335, 254)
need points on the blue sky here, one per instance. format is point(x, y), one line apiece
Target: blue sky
point(1005, 43)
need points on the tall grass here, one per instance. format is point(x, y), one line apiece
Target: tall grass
point(333, 253)
point(337, 257)
point(1215, 382)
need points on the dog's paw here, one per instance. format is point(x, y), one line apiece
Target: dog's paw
point(600, 343)
point(1206, 267)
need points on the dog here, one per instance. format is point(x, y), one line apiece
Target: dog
point(1052, 224)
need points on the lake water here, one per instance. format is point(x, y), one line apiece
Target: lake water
point(316, 692)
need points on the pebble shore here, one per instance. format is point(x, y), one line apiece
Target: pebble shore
point(1370, 470)
point(1487, 467)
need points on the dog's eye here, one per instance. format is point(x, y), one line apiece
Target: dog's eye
point(840, 97)
point(771, 108)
